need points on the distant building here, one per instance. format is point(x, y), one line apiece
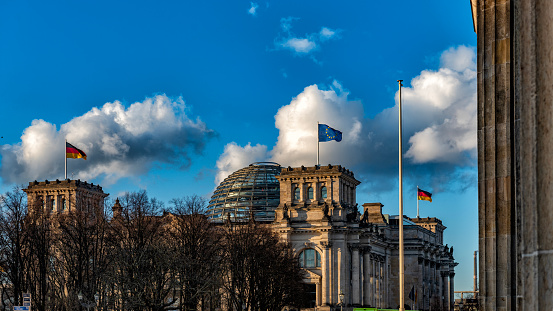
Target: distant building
point(342, 250)
point(62, 196)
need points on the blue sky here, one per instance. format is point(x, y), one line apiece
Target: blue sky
point(173, 96)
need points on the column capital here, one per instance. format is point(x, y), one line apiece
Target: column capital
point(326, 244)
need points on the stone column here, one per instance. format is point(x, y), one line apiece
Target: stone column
point(326, 273)
point(356, 293)
point(533, 29)
point(373, 281)
point(451, 291)
point(496, 160)
point(378, 279)
point(444, 290)
point(366, 276)
point(343, 284)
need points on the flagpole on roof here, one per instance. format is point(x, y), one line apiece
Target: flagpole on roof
point(401, 246)
point(417, 201)
point(318, 140)
point(65, 156)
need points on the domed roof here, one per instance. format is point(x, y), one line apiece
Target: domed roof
point(251, 188)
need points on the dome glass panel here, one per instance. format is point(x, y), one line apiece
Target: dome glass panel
point(253, 188)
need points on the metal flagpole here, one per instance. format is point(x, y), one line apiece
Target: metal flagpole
point(417, 201)
point(318, 141)
point(65, 156)
point(401, 247)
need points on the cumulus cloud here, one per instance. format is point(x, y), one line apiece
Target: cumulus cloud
point(439, 125)
point(119, 141)
point(253, 8)
point(302, 45)
point(235, 157)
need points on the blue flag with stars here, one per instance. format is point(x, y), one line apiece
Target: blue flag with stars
point(326, 133)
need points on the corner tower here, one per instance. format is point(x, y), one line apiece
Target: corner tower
point(63, 196)
point(327, 192)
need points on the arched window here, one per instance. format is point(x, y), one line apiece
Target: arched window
point(297, 194)
point(310, 193)
point(323, 192)
point(310, 258)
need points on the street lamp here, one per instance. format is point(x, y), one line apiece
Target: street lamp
point(341, 295)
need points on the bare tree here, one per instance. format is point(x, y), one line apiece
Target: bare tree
point(140, 276)
point(80, 252)
point(39, 256)
point(12, 241)
point(261, 273)
point(198, 253)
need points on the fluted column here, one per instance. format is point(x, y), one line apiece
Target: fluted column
point(366, 276)
point(356, 297)
point(534, 21)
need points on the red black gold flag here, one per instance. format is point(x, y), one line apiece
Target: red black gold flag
point(424, 195)
point(73, 152)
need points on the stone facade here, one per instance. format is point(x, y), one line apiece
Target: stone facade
point(515, 135)
point(359, 253)
point(61, 196)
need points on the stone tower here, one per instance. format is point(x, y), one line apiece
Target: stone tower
point(64, 196)
point(327, 191)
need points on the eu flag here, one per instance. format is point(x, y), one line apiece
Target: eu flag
point(326, 133)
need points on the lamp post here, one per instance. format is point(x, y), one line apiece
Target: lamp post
point(341, 295)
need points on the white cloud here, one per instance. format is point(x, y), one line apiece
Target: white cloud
point(302, 45)
point(439, 124)
point(235, 157)
point(327, 34)
point(449, 96)
point(119, 142)
point(253, 8)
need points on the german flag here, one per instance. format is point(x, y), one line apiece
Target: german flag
point(73, 152)
point(424, 195)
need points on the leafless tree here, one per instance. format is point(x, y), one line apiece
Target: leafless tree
point(198, 254)
point(80, 256)
point(140, 274)
point(12, 241)
point(39, 255)
point(261, 272)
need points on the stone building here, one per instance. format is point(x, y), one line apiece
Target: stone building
point(515, 147)
point(343, 251)
point(61, 196)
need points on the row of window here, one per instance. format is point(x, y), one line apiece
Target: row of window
point(297, 196)
point(50, 203)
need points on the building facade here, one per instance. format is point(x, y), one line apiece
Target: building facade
point(63, 196)
point(346, 252)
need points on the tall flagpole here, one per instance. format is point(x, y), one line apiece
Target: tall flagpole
point(417, 201)
point(318, 141)
point(401, 247)
point(65, 157)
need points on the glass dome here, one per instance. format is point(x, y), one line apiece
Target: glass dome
point(251, 188)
